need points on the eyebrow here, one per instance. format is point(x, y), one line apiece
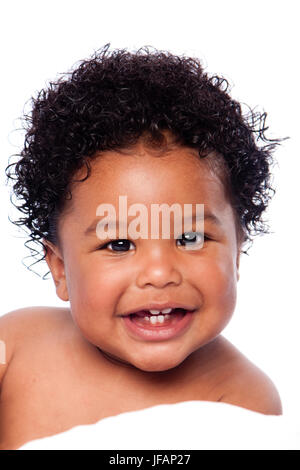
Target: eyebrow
point(207, 216)
point(93, 226)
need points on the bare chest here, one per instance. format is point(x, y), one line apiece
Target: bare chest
point(48, 397)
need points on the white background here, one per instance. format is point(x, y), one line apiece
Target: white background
point(255, 46)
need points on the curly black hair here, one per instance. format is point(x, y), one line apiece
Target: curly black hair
point(112, 99)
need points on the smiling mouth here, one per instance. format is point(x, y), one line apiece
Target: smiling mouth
point(158, 319)
point(156, 325)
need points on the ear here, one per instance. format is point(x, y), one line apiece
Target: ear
point(238, 263)
point(55, 263)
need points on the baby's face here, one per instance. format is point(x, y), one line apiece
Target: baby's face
point(106, 281)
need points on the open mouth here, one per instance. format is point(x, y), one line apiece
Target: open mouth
point(158, 325)
point(156, 318)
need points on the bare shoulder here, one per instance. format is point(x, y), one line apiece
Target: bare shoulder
point(19, 327)
point(15, 323)
point(248, 386)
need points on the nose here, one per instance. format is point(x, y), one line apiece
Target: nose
point(158, 270)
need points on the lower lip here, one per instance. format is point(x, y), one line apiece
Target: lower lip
point(159, 333)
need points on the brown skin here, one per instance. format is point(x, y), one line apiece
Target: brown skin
point(56, 377)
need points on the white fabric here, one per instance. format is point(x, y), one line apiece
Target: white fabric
point(187, 425)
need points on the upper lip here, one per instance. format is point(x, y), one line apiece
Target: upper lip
point(160, 306)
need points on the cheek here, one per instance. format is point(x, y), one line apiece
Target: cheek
point(96, 286)
point(216, 279)
point(94, 291)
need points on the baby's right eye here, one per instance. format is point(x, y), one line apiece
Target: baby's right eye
point(119, 245)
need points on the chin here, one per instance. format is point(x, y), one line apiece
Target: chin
point(157, 369)
point(156, 365)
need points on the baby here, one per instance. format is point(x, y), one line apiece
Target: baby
point(149, 129)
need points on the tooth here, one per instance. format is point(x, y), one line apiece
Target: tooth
point(147, 318)
point(154, 312)
point(167, 310)
point(153, 320)
point(167, 317)
point(161, 318)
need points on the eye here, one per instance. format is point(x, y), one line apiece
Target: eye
point(192, 239)
point(118, 246)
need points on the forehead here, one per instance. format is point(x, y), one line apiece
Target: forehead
point(147, 177)
point(144, 175)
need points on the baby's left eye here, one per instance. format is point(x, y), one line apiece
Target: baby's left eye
point(192, 239)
